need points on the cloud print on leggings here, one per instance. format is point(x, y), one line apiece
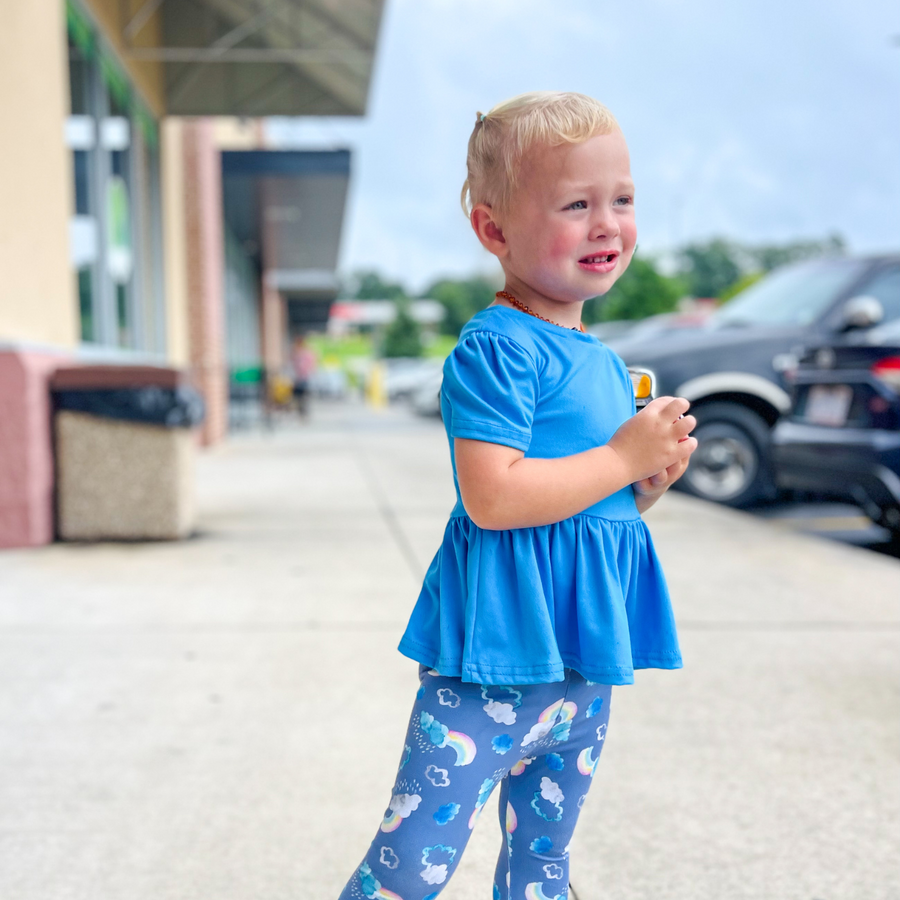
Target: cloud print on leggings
point(446, 697)
point(389, 858)
point(446, 813)
point(502, 703)
point(437, 776)
point(400, 808)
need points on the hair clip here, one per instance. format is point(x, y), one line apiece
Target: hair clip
point(480, 116)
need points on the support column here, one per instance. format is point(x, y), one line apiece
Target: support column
point(205, 255)
point(272, 328)
point(274, 308)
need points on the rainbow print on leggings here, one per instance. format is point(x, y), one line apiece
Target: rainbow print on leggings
point(587, 765)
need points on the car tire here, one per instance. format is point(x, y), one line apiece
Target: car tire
point(732, 463)
point(889, 517)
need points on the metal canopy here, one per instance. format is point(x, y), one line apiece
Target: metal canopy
point(286, 208)
point(261, 57)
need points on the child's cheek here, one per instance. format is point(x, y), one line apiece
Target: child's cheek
point(563, 245)
point(629, 235)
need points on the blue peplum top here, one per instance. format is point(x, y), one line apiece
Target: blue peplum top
point(587, 593)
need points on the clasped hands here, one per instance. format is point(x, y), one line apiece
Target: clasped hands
point(657, 445)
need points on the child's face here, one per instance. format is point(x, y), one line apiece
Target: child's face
point(570, 230)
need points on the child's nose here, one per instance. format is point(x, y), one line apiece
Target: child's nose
point(605, 226)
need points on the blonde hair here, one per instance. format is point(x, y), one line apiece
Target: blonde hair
point(503, 136)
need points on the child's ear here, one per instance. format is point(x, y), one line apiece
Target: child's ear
point(486, 226)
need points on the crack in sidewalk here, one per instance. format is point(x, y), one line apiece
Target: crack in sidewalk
point(389, 515)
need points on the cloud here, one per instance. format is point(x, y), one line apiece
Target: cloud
point(555, 762)
point(551, 870)
point(437, 776)
point(501, 713)
point(502, 693)
point(435, 731)
point(550, 791)
point(537, 732)
point(407, 751)
point(389, 858)
point(542, 844)
point(594, 708)
point(367, 881)
point(502, 743)
point(487, 787)
point(434, 874)
point(446, 697)
point(405, 804)
point(561, 731)
point(601, 732)
point(581, 800)
point(420, 693)
point(446, 813)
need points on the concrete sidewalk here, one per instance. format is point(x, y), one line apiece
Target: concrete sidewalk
point(221, 719)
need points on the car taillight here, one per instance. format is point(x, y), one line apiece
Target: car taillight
point(887, 370)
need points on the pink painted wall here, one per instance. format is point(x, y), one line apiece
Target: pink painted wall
point(26, 447)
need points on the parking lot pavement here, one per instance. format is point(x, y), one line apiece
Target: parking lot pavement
point(222, 718)
point(838, 521)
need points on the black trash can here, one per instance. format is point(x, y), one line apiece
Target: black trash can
point(124, 451)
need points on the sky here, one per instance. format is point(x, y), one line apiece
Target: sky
point(758, 122)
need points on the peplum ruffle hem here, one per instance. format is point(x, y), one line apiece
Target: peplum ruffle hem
point(586, 593)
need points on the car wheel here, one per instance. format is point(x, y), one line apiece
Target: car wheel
point(731, 464)
point(889, 518)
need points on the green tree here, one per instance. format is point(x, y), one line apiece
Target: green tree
point(768, 257)
point(371, 286)
point(403, 337)
point(642, 291)
point(709, 269)
point(461, 299)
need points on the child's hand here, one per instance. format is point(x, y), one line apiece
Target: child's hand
point(649, 490)
point(655, 440)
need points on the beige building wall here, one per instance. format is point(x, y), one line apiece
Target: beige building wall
point(37, 287)
point(232, 133)
point(174, 241)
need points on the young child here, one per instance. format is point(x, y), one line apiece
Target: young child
point(546, 590)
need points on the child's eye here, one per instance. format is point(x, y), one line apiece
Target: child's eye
point(623, 201)
point(578, 204)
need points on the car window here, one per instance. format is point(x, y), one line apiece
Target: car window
point(793, 295)
point(885, 288)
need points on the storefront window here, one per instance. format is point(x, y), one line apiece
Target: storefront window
point(115, 230)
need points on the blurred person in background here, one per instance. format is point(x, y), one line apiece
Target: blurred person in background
point(303, 367)
point(546, 590)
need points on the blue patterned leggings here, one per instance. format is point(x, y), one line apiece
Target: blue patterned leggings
point(539, 742)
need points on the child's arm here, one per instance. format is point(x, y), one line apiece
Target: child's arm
point(501, 489)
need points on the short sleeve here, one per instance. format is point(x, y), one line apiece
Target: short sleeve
point(629, 384)
point(491, 388)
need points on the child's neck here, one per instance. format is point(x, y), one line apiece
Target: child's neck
point(566, 313)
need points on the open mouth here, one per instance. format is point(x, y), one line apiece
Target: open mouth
point(600, 258)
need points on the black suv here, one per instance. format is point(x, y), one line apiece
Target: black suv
point(735, 368)
point(842, 437)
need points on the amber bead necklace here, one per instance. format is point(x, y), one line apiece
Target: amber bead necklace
point(519, 305)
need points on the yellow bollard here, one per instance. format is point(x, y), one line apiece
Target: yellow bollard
point(376, 392)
